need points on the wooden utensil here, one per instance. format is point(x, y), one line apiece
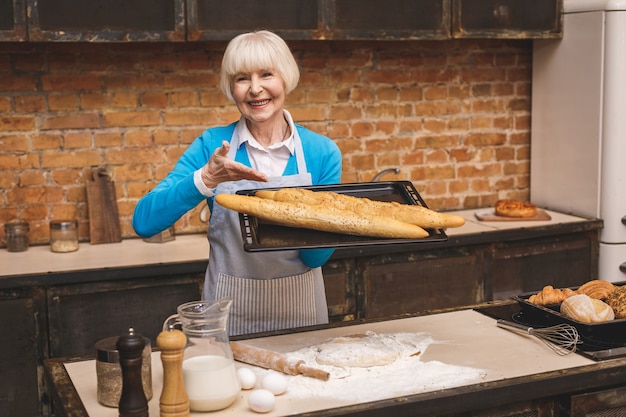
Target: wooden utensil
point(104, 222)
point(276, 361)
point(174, 401)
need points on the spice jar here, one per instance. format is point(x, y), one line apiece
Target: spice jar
point(109, 371)
point(16, 236)
point(63, 236)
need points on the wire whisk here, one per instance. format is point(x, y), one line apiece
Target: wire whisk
point(562, 338)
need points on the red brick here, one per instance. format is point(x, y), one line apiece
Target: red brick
point(14, 143)
point(21, 83)
point(78, 140)
point(74, 82)
point(71, 121)
point(22, 122)
point(196, 117)
point(63, 102)
point(71, 159)
point(29, 104)
point(107, 139)
point(131, 118)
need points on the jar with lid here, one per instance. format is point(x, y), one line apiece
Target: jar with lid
point(16, 236)
point(109, 371)
point(63, 236)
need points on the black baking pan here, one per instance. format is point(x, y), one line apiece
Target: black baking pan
point(609, 333)
point(261, 236)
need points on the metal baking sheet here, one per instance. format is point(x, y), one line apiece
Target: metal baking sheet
point(605, 334)
point(261, 236)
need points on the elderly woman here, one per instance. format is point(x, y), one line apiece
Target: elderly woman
point(264, 149)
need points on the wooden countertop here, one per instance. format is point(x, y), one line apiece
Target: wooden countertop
point(513, 368)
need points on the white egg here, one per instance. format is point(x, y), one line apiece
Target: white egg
point(261, 401)
point(247, 378)
point(275, 383)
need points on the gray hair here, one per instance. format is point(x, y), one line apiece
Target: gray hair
point(254, 51)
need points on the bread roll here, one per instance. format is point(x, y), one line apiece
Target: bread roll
point(596, 288)
point(319, 217)
point(515, 208)
point(413, 214)
point(617, 301)
point(585, 309)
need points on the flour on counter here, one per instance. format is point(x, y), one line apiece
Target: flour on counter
point(404, 376)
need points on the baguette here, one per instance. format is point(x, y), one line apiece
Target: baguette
point(413, 214)
point(324, 218)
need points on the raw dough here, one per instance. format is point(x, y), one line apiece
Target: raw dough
point(359, 351)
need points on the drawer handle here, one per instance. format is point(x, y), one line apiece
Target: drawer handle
point(622, 267)
point(502, 14)
point(624, 220)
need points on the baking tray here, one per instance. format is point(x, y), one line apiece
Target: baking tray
point(609, 334)
point(261, 236)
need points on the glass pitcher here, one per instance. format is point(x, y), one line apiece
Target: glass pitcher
point(209, 372)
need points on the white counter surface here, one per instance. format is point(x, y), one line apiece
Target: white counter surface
point(464, 338)
point(190, 248)
point(127, 253)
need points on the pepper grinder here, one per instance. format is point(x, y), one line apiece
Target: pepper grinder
point(133, 401)
point(174, 401)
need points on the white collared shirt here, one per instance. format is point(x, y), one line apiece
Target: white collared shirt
point(271, 161)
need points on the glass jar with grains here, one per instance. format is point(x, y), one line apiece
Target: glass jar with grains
point(63, 236)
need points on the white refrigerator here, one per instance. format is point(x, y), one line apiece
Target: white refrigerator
point(578, 125)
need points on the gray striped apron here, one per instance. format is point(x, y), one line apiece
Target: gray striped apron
point(270, 290)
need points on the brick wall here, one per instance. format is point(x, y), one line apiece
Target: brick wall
point(454, 116)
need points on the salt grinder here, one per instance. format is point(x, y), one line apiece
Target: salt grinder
point(174, 401)
point(133, 401)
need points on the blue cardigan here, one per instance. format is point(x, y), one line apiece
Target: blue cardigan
point(176, 194)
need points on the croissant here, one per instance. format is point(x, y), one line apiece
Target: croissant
point(551, 295)
point(585, 309)
point(596, 288)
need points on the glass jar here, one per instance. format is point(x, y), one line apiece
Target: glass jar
point(109, 371)
point(16, 236)
point(63, 236)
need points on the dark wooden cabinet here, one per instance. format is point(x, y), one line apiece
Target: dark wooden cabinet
point(12, 20)
point(66, 320)
point(24, 347)
point(421, 281)
point(515, 19)
point(220, 20)
point(201, 20)
point(610, 402)
point(340, 282)
point(560, 261)
point(106, 20)
point(80, 315)
point(320, 19)
point(468, 269)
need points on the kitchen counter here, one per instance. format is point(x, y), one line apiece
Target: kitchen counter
point(187, 253)
point(185, 249)
point(513, 368)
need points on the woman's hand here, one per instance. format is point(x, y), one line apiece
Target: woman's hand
point(220, 169)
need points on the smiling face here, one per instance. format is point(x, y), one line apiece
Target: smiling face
point(259, 95)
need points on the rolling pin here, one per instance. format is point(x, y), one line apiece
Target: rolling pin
point(276, 361)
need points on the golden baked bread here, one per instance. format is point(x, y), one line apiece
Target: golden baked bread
point(409, 213)
point(617, 301)
point(550, 295)
point(318, 217)
point(596, 288)
point(585, 309)
point(515, 208)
